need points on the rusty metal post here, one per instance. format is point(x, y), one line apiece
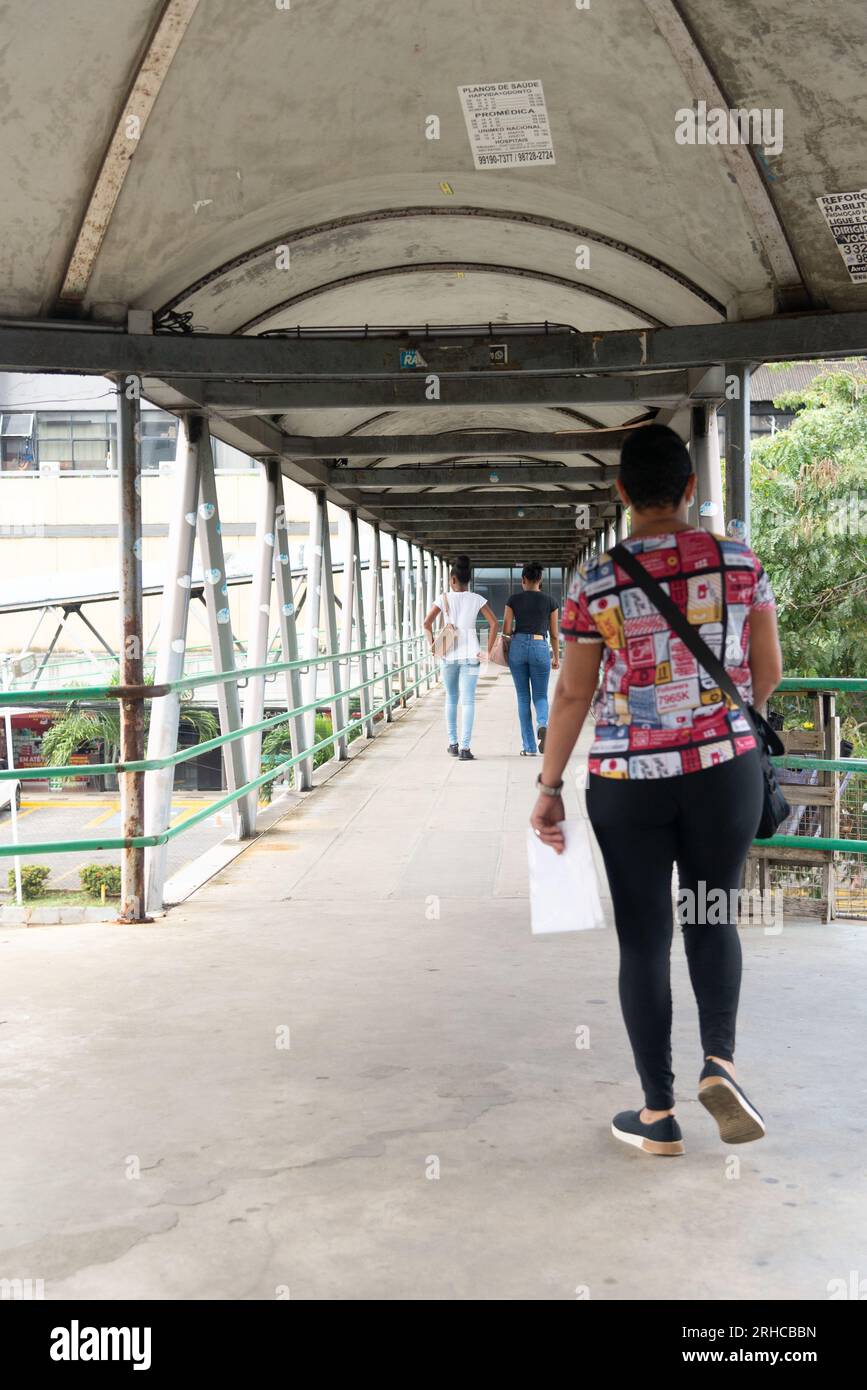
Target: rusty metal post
point(132, 721)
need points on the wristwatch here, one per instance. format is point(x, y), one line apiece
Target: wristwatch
point(548, 791)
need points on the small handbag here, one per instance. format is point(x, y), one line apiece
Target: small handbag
point(446, 637)
point(775, 807)
point(499, 655)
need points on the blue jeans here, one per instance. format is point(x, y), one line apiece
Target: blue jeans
point(460, 679)
point(530, 665)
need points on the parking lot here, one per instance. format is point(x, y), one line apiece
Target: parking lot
point(89, 815)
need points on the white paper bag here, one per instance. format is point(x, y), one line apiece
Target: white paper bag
point(564, 893)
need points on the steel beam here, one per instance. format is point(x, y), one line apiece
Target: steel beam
point(445, 475)
point(366, 699)
point(171, 650)
point(510, 443)
point(381, 393)
point(487, 499)
point(332, 354)
point(132, 713)
point(380, 628)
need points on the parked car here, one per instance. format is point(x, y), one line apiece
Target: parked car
point(8, 789)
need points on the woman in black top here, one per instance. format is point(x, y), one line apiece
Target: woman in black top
point(530, 619)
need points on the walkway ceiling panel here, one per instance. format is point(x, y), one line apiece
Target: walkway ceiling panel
point(271, 119)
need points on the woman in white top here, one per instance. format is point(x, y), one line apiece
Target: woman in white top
point(460, 666)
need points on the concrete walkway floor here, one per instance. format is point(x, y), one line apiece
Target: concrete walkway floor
point(431, 1130)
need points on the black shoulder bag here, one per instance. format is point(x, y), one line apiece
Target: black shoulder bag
point(775, 808)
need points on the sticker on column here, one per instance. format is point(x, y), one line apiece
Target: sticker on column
point(223, 615)
point(212, 576)
point(283, 558)
point(846, 217)
point(736, 529)
point(190, 518)
point(224, 588)
point(184, 581)
point(708, 509)
point(269, 537)
point(137, 547)
point(288, 609)
point(264, 608)
point(178, 645)
point(206, 510)
point(507, 124)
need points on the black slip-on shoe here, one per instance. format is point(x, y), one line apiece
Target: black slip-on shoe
point(453, 749)
point(542, 732)
point(466, 756)
point(662, 1138)
point(738, 1119)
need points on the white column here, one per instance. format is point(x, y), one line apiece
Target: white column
point(171, 647)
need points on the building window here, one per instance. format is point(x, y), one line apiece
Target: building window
point(86, 441)
point(17, 453)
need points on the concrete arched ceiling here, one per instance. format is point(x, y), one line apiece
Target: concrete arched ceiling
point(300, 128)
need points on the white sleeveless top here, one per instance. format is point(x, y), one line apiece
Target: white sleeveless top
point(462, 609)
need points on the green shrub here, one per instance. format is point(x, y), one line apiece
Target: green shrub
point(33, 878)
point(93, 876)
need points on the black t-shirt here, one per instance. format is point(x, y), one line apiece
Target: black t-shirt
point(532, 610)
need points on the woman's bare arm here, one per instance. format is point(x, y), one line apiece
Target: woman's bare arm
point(766, 657)
point(429, 622)
point(554, 630)
point(508, 621)
point(493, 625)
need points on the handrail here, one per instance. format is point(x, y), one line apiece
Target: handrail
point(150, 841)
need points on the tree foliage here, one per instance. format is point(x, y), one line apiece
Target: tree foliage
point(809, 526)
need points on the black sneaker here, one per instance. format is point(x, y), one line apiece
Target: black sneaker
point(663, 1137)
point(466, 756)
point(738, 1119)
point(453, 749)
point(542, 732)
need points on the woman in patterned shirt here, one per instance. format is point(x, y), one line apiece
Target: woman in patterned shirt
point(674, 773)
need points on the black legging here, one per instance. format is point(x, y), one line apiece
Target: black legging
point(703, 821)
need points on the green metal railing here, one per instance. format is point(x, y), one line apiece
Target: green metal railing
point(418, 658)
point(808, 685)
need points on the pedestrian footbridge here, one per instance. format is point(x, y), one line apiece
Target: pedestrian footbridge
point(345, 1067)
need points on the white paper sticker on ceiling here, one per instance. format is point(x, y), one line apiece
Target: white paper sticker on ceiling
point(507, 123)
point(846, 216)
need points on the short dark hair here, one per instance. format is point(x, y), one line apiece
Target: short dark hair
point(461, 569)
point(532, 572)
point(655, 467)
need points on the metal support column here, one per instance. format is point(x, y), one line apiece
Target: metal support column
point(288, 629)
point(132, 712)
point(397, 610)
point(220, 628)
point(737, 426)
point(360, 624)
point(260, 624)
point(704, 448)
point(318, 521)
point(339, 705)
point(171, 648)
point(424, 559)
point(619, 523)
point(380, 628)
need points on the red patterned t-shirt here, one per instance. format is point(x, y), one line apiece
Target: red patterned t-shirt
point(658, 713)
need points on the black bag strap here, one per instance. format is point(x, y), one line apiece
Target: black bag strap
point(684, 629)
